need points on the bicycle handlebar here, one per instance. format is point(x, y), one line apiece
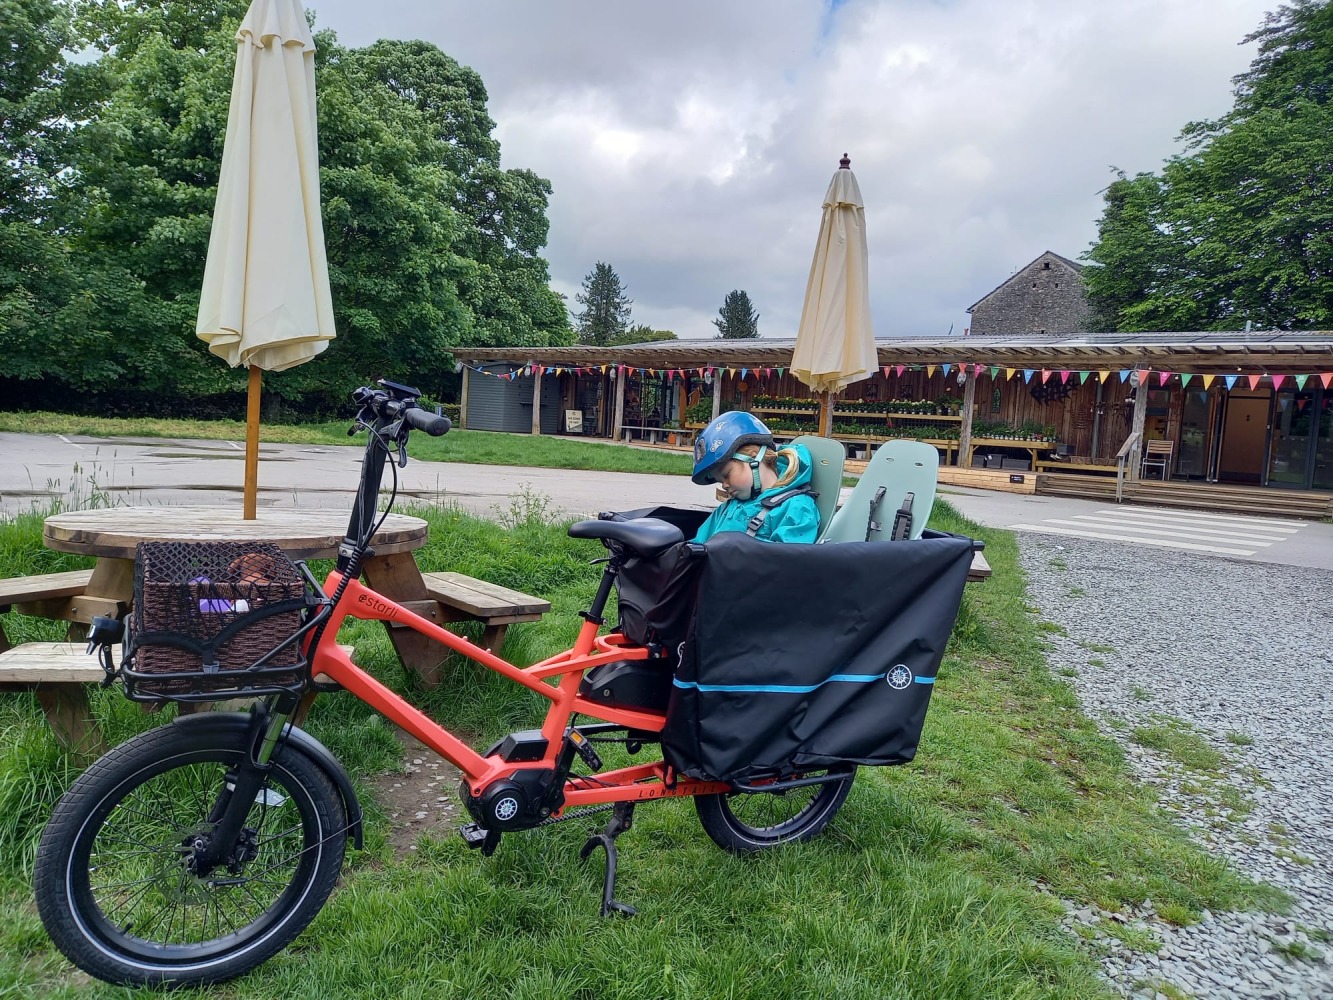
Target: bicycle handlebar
point(398, 402)
point(428, 422)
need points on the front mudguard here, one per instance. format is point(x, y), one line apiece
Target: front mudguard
point(236, 726)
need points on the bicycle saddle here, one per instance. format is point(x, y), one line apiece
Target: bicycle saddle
point(645, 536)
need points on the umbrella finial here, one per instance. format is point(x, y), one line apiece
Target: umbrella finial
point(845, 163)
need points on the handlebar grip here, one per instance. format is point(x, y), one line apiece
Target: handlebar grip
point(419, 419)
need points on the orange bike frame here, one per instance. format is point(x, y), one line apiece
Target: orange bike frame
point(630, 784)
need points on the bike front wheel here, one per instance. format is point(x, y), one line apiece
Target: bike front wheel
point(118, 882)
point(746, 822)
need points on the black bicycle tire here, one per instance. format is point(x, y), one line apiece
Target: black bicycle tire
point(85, 936)
point(732, 834)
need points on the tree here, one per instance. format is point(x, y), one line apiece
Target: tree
point(1239, 226)
point(643, 334)
point(605, 315)
point(737, 320)
point(431, 245)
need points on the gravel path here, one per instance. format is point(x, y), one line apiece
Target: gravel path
point(1242, 654)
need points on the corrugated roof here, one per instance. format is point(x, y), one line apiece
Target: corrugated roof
point(1195, 351)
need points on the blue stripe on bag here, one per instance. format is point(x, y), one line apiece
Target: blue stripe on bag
point(787, 688)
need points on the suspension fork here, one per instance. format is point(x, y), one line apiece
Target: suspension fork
point(245, 779)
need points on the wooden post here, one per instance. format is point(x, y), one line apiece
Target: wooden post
point(826, 414)
point(965, 430)
point(462, 403)
point(682, 401)
point(618, 419)
point(252, 445)
point(537, 400)
point(718, 377)
point(1140, 418)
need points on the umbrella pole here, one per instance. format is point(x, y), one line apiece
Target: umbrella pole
point(826, 414)
point(252, 443)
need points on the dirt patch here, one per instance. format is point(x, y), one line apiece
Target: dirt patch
point(424, 799)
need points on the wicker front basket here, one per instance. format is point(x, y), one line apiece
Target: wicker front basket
point(210, 619)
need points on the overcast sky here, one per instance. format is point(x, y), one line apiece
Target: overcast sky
point(690, 142)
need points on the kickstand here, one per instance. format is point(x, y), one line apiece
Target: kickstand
point(621, 820)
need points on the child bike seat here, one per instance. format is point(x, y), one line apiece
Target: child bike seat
point(645, 536)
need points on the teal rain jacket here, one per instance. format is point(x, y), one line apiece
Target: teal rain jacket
point(794, 520)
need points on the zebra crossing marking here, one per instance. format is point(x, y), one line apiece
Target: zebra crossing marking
point(1152, 528)
point(1263, 524)
point(1160, 542)
point(1196, 531)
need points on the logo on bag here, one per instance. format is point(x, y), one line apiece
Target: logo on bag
point(899, 677)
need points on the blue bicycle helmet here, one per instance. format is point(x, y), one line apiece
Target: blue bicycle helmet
point(718, 443)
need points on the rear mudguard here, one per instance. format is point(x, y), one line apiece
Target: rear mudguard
point(237, 725)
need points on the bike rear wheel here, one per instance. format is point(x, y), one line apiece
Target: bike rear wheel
point(746, 822)
point(116, 877)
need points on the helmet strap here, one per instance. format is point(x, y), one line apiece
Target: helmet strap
point(753, 461)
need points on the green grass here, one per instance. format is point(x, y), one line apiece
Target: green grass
point(1182, 744)
point(939, 879)
point(468, 447)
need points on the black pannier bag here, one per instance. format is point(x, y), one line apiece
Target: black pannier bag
point(655, 596)
point(806, 656)
point(213, 619)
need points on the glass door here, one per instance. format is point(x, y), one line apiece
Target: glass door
point(1293, 427)
point(1194, 413)
point(1323, 453)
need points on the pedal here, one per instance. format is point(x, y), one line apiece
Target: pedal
point(477, 836)
point(584, 749)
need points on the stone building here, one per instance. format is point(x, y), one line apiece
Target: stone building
point(1046, 296)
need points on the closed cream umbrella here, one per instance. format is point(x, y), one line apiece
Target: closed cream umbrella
point(835, 345)
point(265, 301)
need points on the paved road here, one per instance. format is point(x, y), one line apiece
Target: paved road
point(39, 468)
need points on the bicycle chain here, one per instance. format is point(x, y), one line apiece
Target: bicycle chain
point(578, 814)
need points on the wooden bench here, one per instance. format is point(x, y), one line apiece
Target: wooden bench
point(979, 570)
point(51, 595)
point(462, 598)
point(59, 673)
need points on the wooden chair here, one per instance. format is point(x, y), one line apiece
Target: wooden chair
point(1157, 454)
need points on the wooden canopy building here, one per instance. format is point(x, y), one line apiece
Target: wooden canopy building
point(1250, 408)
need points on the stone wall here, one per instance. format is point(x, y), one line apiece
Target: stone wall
point(1047, 296)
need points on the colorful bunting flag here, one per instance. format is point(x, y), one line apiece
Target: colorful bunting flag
point(946, 368)
point(1185, 378)
point(995, 371)
point(1045, 374)
point(1010, 372)
point(1207, 381)
point(1278, 380)
point(1103, 376)
point(1028, 373)
point(930, 371)
point(1124, 375)
point(1083, 377)
point(1064, 375)
point(1230, 380)
point(1301, 380)
point(899, 370)
point(1163, 378)
point(1325, 378)
point(1254, 380)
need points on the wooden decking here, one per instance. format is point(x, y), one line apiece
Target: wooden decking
point(1266, 501)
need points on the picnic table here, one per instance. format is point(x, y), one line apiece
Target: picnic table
point(111, 535)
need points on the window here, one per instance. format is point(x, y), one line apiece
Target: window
point(1046, 265)
point(1057, 284)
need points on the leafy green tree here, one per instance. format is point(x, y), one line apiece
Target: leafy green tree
point(430, 244)
point(605, 315)
point(1239, 226)
point(736, 319)
point(643, 334)
point(502, 225)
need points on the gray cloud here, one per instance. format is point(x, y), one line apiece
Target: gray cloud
point(690, 143)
